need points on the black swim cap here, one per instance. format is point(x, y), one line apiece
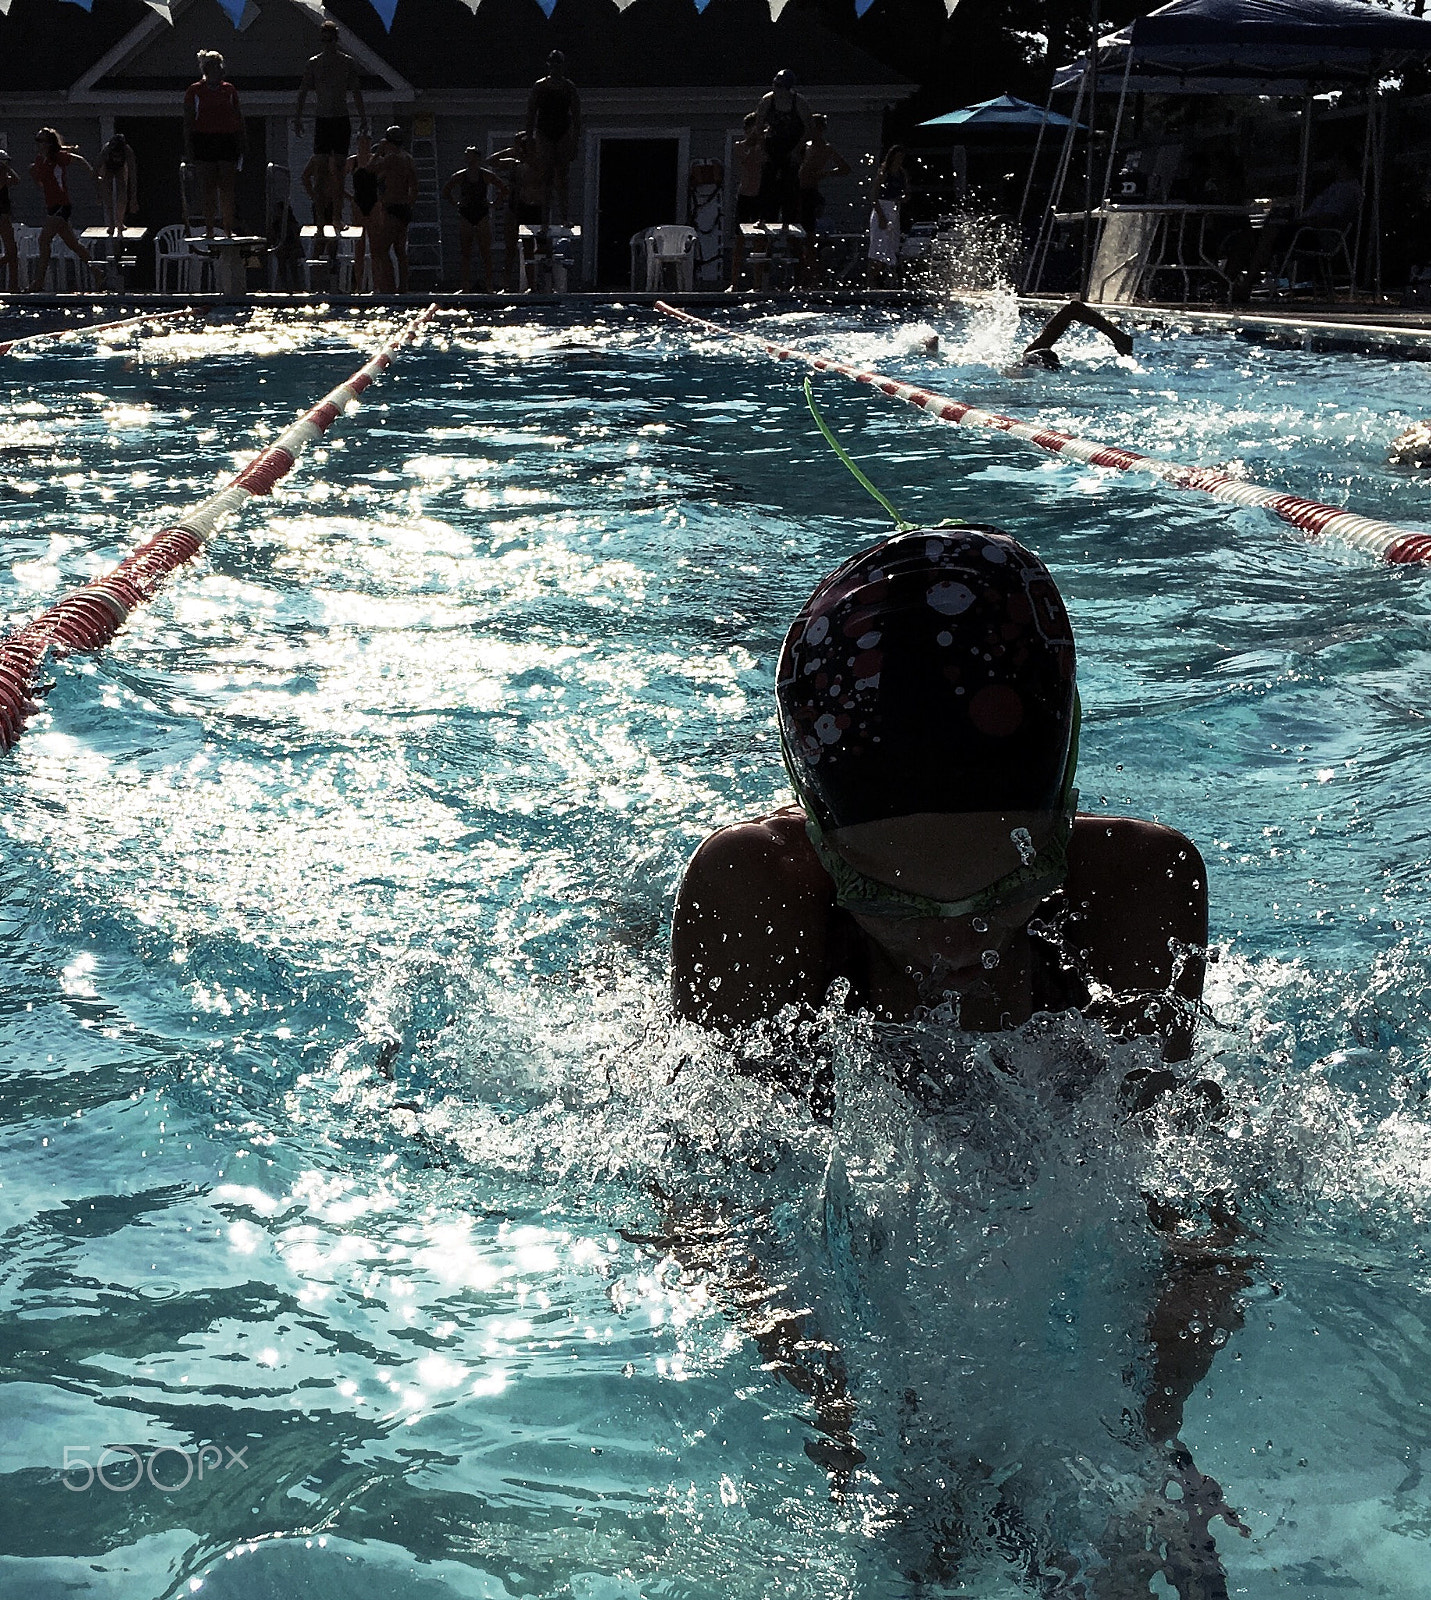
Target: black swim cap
point(932, 672)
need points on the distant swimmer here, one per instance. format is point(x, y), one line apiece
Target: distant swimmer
point(928, 716)
point(1412, 448)
point(1039, 352)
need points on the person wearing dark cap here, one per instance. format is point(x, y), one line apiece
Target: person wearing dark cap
point(1040, 352)
point(331, 76)
point(783, 123)
point(117, 175)
point(553, 126)
point(396, 173)
point(928, 712)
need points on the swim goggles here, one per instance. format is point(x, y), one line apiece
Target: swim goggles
point(871, 897)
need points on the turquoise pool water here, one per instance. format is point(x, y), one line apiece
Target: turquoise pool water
point(341, 1090)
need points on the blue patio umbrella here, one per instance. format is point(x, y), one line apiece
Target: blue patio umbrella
point(1005, 112)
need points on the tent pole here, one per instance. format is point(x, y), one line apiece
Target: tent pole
point(1033, 165)
point(1306, 153)
point(1117, 126)
point(1091, 152)
point(1378, 168)
point(1033, 279)
point(1367, 177)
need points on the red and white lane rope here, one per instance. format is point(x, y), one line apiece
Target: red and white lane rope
point(6, 346)
point(1317, 521)
point(89, 618)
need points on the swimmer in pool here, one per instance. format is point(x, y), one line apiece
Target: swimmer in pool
point(1411, 448)
point(1039, 352)
point(929, 722)
point(928, 714)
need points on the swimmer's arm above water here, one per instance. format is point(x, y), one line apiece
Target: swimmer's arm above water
point(749, 931)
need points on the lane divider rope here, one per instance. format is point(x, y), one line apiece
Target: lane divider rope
point(6, 346)
point(89, 617)
point(1311, 517)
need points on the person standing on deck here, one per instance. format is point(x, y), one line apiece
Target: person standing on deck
point(397, 196)
point(467, 190)
point(214, 138)
point(317, 179)
point(891, 187)
point(521, 171)
point(50, 170)
point(117, 175)
point(554, 126)
point(331, 76)
point(9, 255)
point(749, 157)
point(818, 160)
point(783, 120)
point(365, 201)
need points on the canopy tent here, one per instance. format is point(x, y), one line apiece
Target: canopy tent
point(1006, 112)
point(1244, 47)
point(1285, 47)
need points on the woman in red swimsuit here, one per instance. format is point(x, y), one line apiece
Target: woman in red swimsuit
point(50, 170)
point(214, 138)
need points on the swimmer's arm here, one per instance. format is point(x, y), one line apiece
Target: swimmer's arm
point(748, 936)
point(1141, 890)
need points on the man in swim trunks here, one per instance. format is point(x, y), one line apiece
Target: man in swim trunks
point(928, 715)
point(1039, 352)
point(554, 126)
point(467, 190)
point(331, 76)
point(522, 174)
point(783, 120)
point(748, 155)
point(818, 160)
point(397, 195)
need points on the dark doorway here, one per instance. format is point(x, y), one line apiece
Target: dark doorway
point(158, 144)
point(637, 188)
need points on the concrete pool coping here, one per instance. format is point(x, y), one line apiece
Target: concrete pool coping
point(1392, 330)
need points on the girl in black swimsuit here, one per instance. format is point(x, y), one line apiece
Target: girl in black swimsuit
point(467, 189)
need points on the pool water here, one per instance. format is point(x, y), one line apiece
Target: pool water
point(355, 1174)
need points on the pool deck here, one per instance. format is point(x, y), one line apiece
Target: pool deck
point(1386, 329)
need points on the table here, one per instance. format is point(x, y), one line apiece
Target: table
point(1138, 242)
point(102, 243)
point(228, 252)
point(558, 245)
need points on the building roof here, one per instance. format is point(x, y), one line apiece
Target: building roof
point(439, 45)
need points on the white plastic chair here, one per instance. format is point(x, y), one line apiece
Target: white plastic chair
point(174, 257)
point(674, 247)
point(27, 252)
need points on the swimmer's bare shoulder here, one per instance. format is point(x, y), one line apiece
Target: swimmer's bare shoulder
point(751, 924)
point(1138, 891)
point(751, 927)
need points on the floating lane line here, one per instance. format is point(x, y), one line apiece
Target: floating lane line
point(1311, 517)
point(90, 616)
point(6, 346)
